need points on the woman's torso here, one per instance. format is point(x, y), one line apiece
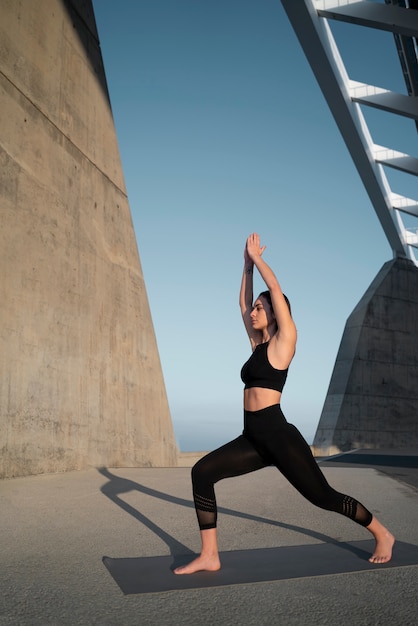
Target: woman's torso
point(263, 382)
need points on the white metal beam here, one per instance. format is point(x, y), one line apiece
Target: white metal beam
point(387, 17)
point(325, 60)
point(412, 238)
point(397, 160)
point(405, 205)
point(384, 99)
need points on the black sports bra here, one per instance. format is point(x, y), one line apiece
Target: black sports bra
point(258, 372)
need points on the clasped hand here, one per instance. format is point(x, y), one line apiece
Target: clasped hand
point(253, 250)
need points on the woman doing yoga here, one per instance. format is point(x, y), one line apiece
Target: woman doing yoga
point(267, 438)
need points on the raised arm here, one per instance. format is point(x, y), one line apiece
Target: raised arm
point(286, 332)
point(246, 297)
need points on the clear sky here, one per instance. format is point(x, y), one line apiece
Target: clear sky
point(223, 131)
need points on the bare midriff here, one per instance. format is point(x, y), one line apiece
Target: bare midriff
point(258, 398)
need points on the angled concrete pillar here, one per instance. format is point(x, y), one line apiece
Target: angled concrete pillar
point(372, 400)
point(80, 377)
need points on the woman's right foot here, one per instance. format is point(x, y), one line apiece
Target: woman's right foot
point(383, 550)
point(384, 542)
point(201, 564)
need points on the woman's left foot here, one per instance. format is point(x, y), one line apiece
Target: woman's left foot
point(383, 550)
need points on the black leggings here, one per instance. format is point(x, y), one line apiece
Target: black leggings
point(268, 439)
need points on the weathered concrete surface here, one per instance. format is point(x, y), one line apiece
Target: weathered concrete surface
point(80, 377)
point(57, 528)
point(372, 398)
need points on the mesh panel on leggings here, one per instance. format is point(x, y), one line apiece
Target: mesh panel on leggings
point(349, 507)
point(356, 511)
point(206, 512)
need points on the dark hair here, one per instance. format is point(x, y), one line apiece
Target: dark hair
point(267, 296)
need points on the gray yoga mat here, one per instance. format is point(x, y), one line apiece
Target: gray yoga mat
point(155, 574)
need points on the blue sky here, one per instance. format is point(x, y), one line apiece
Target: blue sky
point(223, 131)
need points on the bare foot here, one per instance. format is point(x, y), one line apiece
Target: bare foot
point(383, 550)
point(202, 563)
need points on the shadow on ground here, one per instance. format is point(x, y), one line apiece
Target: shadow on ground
point(401, 467)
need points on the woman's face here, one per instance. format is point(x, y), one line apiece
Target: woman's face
point(261, 314)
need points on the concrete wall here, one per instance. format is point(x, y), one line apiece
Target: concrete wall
point(80, 377)
point(372, 400)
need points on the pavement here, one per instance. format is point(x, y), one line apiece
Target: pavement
point(57, 531)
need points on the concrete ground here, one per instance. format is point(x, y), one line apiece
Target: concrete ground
point(56, 529)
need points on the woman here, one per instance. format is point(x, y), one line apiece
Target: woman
point(267, 438)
